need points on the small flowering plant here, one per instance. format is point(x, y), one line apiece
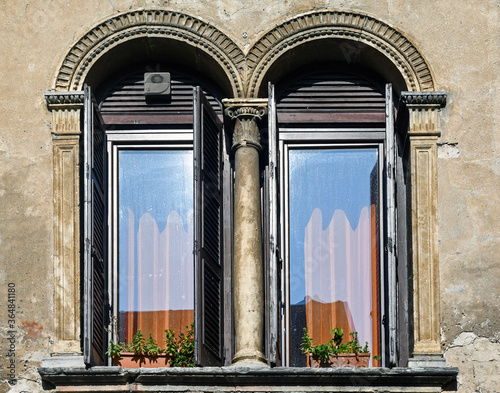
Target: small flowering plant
point(335, 353)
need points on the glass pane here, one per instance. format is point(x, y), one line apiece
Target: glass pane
point(155, 228)
point(333, 196)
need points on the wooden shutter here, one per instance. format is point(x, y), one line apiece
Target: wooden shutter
point(403, 225)
point(390, 249)
point(270, 230)
point(94, 223)
point(208, 233)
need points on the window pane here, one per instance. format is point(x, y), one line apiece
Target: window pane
point(155, 228)
point(333, 196)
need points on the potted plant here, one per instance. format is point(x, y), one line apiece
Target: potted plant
point(142, 352)
point(334, 353)
point(181, 350)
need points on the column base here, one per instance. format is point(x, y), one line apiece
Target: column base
point(249, 358)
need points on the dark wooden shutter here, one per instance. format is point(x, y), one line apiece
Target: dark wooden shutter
point(208, 234)
point(270, 231)
point(390, 249)
point(94, 227)
point(403, 233)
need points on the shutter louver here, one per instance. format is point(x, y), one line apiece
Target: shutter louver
point(331, 97)
point(126, 104)
point(95, 232)
point(208, 239)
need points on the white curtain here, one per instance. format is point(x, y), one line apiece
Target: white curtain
point(162, 287)
point(341, 276)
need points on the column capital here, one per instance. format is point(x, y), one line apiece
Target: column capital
point(423, 108)
point(246, 112)
point(65, 107)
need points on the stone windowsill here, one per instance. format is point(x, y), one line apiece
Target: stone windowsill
point(222, 379)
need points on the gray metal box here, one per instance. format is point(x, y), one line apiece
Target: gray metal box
point(157, 84)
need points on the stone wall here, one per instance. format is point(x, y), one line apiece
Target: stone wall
point(479, 361)
point(458, 38)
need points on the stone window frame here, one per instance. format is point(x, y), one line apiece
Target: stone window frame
point(246, 71)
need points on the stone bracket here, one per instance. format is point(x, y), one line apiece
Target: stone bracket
point(65, 107)
point(423, 108)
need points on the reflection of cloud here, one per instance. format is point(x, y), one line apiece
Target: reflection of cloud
point(156, 181)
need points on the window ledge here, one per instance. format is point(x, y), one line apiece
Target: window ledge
point(225, 379)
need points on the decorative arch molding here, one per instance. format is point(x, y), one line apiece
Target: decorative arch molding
point(343, 25)
point(244, 71)
point(149, 23)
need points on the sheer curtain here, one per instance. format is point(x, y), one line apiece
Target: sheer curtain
point(341, 277)
point(161, 285)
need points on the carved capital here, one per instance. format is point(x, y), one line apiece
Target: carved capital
point(423, 108)
point(246, 113)
point(65, 108)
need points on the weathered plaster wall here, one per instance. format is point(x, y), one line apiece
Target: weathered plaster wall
point(460, 40)
point(25, 190)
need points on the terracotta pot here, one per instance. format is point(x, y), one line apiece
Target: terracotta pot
point(131, 360)
point(343, 360)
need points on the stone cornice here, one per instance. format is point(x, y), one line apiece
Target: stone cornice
point(424, 99)
point(64, 100)
point(231, 379)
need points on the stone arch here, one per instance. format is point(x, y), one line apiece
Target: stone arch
point(357, 31)
point(202, 40)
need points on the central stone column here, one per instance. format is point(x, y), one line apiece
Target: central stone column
point(248, 267)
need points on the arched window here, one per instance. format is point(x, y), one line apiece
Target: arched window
point(336, 158)
point(154, 153)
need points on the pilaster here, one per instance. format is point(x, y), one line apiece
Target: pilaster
point(66, 129)
point(248, 265)
point(423, 132)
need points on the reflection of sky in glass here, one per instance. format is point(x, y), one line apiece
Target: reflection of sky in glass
point(157, 182)
point(329, 180)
